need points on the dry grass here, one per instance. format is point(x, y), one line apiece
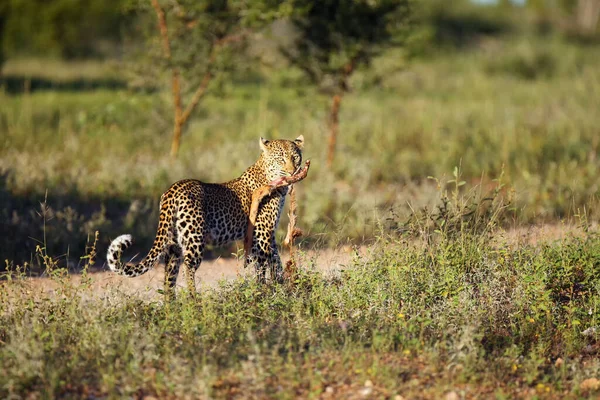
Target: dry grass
point(57, 70)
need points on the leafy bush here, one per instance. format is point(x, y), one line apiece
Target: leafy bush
point(529, 65)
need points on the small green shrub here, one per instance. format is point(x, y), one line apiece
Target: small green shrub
point(530, 65)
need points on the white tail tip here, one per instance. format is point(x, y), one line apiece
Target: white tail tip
point(113, 255)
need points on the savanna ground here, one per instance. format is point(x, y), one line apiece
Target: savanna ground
point(408, 287)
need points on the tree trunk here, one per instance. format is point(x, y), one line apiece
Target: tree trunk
point(177, 120)
point(176, 139)
point(588, 13)
point(334, 123)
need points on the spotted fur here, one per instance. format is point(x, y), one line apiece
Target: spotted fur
point(194, 214)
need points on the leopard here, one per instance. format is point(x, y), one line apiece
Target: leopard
point(194, 214)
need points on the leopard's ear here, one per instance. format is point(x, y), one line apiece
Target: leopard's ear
point(299, 141)
point(263, 143)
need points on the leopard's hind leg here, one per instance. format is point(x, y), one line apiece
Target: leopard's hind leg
point(191, 237)
point(172, 263)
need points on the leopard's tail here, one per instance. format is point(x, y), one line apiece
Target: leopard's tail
point(166, 225)
point(113, 256)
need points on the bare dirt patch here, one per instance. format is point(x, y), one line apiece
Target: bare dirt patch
point(211, 272)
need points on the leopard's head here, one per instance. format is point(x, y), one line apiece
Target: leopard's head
point(281, 157)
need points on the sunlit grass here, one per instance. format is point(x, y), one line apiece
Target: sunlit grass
point(58, 70)
point(403, 123)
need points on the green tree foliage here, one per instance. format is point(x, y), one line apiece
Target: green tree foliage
point(65, 28)
point(3, 17)
point(203, 35)
point(196, 42)
point(334, 37)
point(576, 18)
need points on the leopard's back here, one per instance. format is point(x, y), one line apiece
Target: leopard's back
point(222, 209)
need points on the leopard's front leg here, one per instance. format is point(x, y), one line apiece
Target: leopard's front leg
point(264, 255)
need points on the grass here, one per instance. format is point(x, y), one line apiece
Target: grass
point(102, 156)
point(462, 313)
point(58, 71)
point(435, 157)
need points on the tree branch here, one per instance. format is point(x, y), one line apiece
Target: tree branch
point(182, 116)
point(198, 94)
point(175, 78)
point(201, 91)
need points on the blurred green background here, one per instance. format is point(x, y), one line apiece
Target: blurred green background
point(503, 90)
